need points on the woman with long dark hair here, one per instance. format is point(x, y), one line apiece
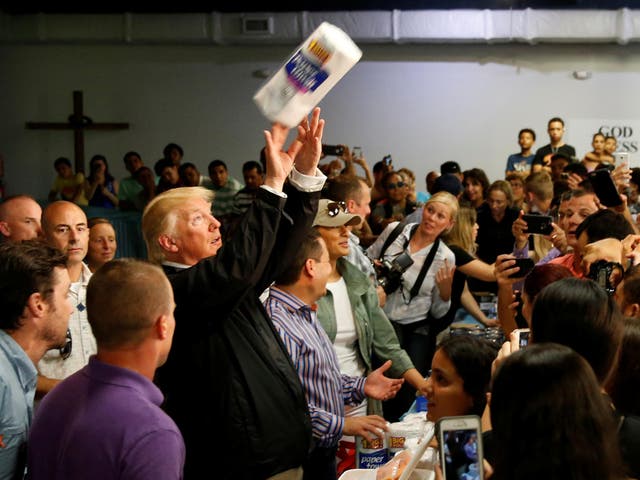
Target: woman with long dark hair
point(550, 419)
point(100, 187)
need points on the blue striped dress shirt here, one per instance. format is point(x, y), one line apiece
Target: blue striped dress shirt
point(312, 352)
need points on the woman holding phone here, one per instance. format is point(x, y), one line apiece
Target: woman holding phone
point(458, 385)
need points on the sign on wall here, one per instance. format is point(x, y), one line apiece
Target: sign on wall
point(580, 131)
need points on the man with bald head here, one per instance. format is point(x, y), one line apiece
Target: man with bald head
point(20, 219)
point(66, 228)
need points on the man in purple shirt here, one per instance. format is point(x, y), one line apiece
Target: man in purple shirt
point(105, 421)
point(290, 306)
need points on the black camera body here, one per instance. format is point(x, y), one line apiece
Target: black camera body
point(606, 274)
point(389, 273)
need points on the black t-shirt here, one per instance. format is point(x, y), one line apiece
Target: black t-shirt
point(542, 152)
point(494, 238)
point(457, 286)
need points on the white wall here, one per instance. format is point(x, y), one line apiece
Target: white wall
point(423, 104)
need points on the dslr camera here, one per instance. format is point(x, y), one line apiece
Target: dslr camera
point(390, 272)
point(606, 274)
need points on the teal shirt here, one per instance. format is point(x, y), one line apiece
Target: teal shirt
point(375, 332)
point(225, 197)
point(17, 390)
point(129, 189)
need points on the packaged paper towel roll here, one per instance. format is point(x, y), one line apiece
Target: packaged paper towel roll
point(313, 69)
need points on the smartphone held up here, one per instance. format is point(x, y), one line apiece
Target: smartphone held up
point(604, 188)
point(460, 445)
point(336, 150)
point(521, 336)
point(538, 224)
point(525, 266)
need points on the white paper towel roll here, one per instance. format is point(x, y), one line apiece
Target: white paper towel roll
point(307, 76)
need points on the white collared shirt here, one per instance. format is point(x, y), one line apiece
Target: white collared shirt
point(400, 307)
point(83, 343)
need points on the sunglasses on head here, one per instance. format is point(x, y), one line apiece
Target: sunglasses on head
point(391, 186)
point(334, 208)
point(65, 350)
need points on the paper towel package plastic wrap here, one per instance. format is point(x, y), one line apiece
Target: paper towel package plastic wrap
point(400, 432)
point(307, 76)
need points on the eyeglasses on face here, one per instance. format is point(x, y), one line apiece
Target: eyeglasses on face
point(65, 350)
point(334, 208)
point(391, 186)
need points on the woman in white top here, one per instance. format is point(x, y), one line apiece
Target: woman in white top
point(424, 293)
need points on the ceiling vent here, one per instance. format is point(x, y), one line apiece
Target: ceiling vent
point(257, 25)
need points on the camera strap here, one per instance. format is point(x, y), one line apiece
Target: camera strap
point(393, 235)
point(427, 261)
point(425, 268)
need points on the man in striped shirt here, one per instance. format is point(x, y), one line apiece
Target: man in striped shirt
point(290, 305)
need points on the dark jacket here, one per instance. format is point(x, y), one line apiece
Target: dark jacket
point(229, 382)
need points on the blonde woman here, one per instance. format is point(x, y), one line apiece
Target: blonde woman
point(461, 239)
point(423, 296)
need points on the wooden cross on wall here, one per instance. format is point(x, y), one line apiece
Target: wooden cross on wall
point(78, 122)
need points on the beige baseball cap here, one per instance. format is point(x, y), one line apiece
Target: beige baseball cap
point(334, 214)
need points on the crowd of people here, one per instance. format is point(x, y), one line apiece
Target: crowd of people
point(274, 323)
point(134, 192)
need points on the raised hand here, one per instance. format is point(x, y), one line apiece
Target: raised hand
point(444, 280)
point(279, 161)
point(608, 249)
point(518, 230)
point(505, 265)
point(621, 176)
point(310, 138)
point(631, 249)
point(559, 238)
point(508, 347)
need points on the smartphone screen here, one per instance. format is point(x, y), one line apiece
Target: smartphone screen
point(462, 454)
point(523, 337)
point(604, 188)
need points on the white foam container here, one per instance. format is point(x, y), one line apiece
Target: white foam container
point(363, 474)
